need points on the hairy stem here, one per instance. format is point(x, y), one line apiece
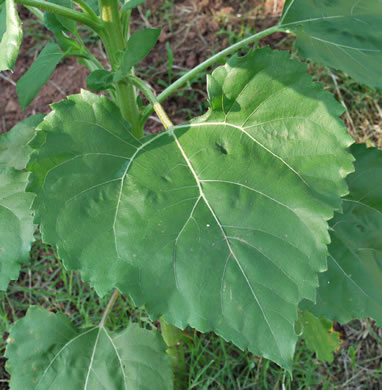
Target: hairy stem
point(173, 339)
point(63, 11)
point(108, 308)
point(112, 37)
point(189, 76)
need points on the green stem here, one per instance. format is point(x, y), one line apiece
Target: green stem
point(87, 9)
point(63, 11)
point(173, 339)
point(162, 115)
point(204, 65)
point(108, 308)
point(114, 42)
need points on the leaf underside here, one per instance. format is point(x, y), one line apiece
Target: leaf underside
point(45, 351)
point(219, 223)
point(342, 34)
point(351, 288)
point(12, 35)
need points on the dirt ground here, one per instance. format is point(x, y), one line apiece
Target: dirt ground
point(194, 30)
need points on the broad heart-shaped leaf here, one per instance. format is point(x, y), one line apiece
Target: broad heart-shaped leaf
point(45, 352)
point(352, 286)
point(12, 35)
point(38, 74)
point(343, 34)
point(14, 148)
point(16, 224)
point(16, 220)
point(219, 223)
point(138, 47)
point(318, 335)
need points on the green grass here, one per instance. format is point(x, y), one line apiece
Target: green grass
point(212, 362)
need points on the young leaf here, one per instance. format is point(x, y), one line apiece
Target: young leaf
point(351, 288)
point(16, 220)
point(99, 80)
point(343, 34)
point(38, 74)
point(219, 223)
point(93, 4)
point(14, 148)
point(16, 224)
point(138, 47)
point(12, 35)
point(46, 351)
point(57, 23)
point(129, 4)
point(319, 336)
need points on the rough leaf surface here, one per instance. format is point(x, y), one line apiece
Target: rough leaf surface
point(351, 288)
point(219, 223)
point(12, 35)
point(343, 34)
point(46, 351)
point(14, 148)
point(16, 220)
point(16, 224)
point(319, 335)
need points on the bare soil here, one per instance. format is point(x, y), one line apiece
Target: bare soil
point(194, 30)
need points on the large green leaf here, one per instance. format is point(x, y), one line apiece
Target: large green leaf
point(343, 34)
point(318, 335)
point(45, 352)
point(14, 148)
point(16, 224)
point(219, 223)
point(11, 35)
point(38, 74)
point(352, 286)
point(16, 220)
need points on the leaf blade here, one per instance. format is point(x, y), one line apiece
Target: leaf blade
point(95, 358)
point(351, 287)
point(319, 336)
point(11, 37)
point(138, 47)
point(341, 34)
point(29, 85)
point(14, 148)
point(16, 222)
point(197, 193)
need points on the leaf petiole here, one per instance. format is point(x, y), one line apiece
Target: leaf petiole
point(63, 11)
point(162, 115)
point(210, 61)
point(85, 7)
